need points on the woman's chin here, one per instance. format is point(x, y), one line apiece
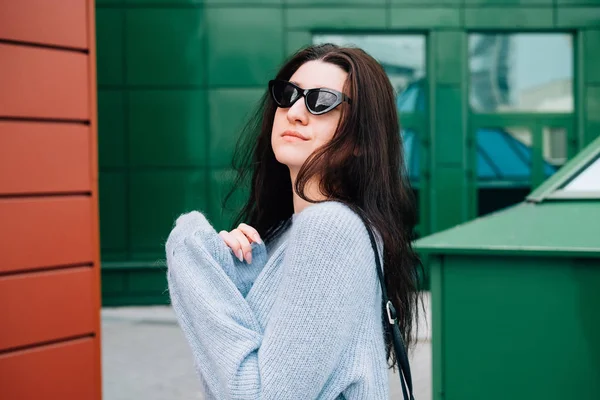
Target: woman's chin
point(290, 158)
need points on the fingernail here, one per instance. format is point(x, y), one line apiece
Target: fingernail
point(257, 239)
point(240, 255)
point(249, 257)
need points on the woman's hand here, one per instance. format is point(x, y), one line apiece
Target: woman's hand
point(239, 241)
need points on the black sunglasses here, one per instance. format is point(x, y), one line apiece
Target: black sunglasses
point(318, 101)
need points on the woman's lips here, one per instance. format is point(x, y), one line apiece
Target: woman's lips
point(292, 136)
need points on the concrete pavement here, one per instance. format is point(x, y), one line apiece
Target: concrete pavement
point(145, 356)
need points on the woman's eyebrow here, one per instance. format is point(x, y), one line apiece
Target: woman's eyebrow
point(296, 83)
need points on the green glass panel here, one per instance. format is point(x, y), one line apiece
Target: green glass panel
point(229, 111)
point(425, 18)
point(111, 128)
point(167, 128)
point(157, 199)
point(223, 215)
point(509, 18)
point(113, 220)
point(523, 72)
point(245, 45)
point(330, 18)
point(402, 56)
point(591, 56)
point(165, 46)
point(578, 17)
point(512, 325)
point(109, 46)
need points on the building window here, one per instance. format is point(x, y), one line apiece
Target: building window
point(521, 73)
point(402, 58)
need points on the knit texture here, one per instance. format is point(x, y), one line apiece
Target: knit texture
point(304, 323)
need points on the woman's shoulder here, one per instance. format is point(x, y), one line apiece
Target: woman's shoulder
point(330, 218)
point(328, 210)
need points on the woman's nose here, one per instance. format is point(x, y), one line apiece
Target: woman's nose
point(298, 112)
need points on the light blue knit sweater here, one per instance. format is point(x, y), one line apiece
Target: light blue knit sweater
point(304, 324)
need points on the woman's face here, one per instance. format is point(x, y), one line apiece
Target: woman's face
point(316, 130)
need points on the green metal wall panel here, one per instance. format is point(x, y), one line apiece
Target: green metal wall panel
point(425, 18)
point(161, 3)
point(547, 3)
point(229, 110)
point(592, 113)
point(113, 209)
point(241, 3)
point(336, 18)
point(509, 18)
point(110, 42)
point(336, 2)
point(165, 46)
point(506, 321)
point(409, 3)
point(449, 139)
point(296, 40)
point(221, 182)
point(449, 205)
point(111, 127)
point(176, 80)
point(156, 198)
point(166, 128)
point(592, 56)
point(255, 53)
point(448, 52)
point(578, 17)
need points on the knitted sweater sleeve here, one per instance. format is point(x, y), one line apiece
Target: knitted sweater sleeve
point(328, 271)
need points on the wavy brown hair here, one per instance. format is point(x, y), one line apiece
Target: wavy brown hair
point(362, 166)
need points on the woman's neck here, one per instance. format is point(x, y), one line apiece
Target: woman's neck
point(311, 190)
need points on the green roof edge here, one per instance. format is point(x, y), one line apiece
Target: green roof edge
point(564, 174)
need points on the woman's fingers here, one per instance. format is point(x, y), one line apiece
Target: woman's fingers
point(246, 249)
point(239, 241)
point(250, 233)
point(231, 241)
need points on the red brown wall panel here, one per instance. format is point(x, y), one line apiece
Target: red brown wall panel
point(49, 229)
point(44, 83)
point(40, 157)
point(56, 23)
point(45, 232)
point(59, 371)
point(46, 306)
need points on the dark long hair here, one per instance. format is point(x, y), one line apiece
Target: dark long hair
point(362, 166)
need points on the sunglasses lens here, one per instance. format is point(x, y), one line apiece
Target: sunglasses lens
point(284, 94)
point(321, 100)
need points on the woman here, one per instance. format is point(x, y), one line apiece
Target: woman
point(288, 305)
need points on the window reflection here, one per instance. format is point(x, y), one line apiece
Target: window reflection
point(521, 72)
point(555, 145)
point(402, 58)
point(588, 180)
